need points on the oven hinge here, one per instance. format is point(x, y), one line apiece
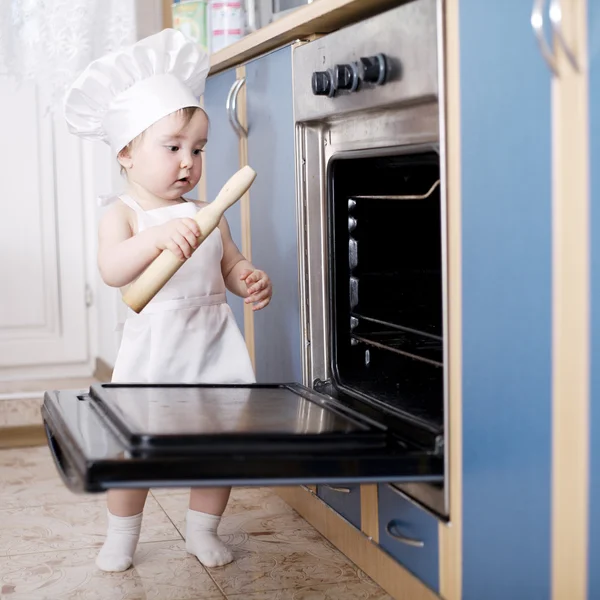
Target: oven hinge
point(323, 387)
point(438, 449)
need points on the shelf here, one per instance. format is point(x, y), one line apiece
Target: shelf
point(320, 17)
point(397, 327)
point(412, 345)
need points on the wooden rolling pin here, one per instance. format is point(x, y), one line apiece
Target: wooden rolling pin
point(164, 266)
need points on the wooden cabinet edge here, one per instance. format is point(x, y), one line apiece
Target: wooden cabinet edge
point(369, 511)
point(314, 19)
point(245, 211)
point(364, 553)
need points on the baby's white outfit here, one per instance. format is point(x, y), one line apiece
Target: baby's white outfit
point(187, 333)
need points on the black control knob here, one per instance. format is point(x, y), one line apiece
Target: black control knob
point(345, 77)
point(322, 83)
point(374, 69)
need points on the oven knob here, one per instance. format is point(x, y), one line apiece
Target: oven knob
point(345, 77)
point(374, 69)
point(322, 83)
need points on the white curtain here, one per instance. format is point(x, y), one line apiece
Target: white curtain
point(52, 41)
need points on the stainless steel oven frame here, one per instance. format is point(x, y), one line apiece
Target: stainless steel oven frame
point(406, 116)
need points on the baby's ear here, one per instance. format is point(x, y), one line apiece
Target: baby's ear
point(124, 158)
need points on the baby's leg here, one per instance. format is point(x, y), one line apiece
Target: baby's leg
point(124, 523)
point(203, 517)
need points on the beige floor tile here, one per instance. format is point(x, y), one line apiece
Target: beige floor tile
point(259, 572)
point(245, 508)
point(274, 548)
point(353, 590)
point(28, 478)
point(71, 526)
point(162, 571)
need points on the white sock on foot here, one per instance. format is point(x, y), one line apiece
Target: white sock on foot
point(121, 540)
point(203, 541)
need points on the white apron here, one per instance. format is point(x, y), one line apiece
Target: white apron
point(187, 333)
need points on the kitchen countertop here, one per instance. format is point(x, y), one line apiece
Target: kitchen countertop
point(320, 17)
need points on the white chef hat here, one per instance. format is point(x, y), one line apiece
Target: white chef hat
point(120, 95)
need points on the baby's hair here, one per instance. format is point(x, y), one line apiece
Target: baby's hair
point(187, 113)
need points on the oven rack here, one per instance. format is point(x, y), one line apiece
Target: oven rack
point(421, 324)
point(424, 196)
point(405, 341)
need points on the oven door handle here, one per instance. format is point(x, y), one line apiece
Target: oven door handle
point(64, 466)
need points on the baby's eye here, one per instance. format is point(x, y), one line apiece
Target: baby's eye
point(198, 151)
point(173, 148)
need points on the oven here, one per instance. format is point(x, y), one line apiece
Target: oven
point(372, 404)
point(372, 215)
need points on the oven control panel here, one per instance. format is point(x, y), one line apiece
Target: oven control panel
point(372, 70)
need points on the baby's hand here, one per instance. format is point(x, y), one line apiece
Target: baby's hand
point(259, 287)
point(180, 236)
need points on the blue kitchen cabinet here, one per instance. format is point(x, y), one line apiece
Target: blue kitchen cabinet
point(594, 158)
point(345, 500)
point(409, 534)
point(273, 214)
point(222, 161)
point(506, 184)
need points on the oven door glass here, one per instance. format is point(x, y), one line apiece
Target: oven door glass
point(129, 435)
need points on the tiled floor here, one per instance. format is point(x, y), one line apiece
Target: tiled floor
point(49, 539)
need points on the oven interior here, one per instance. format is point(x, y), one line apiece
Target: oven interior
point(386, 287)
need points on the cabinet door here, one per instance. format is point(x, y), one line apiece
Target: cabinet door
point(506, 311)
point(345, 500)
point(273, 214)
point(222, 161)
point(43, 314)
point(409, 534)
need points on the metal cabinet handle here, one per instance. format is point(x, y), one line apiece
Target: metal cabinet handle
point(537, 23)
point(228, 103)
point(341, 490)
point(402, 538)
point(556, 20)
point(231, 106)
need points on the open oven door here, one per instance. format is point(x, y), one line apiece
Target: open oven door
point(134, 436)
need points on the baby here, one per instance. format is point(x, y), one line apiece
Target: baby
point(143, 101)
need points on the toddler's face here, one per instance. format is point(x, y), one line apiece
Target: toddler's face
point(167, 161)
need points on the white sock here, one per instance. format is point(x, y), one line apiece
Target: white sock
point(121, 540)
point(203, 541)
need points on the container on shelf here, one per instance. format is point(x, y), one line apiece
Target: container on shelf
point(227, 23)
point(191, 18)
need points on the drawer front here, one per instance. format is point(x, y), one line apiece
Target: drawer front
point(418, 550)
point(344, 499)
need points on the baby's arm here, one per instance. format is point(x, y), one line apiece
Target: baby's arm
point(240, 276)
point(123, 255)
point(233, 263)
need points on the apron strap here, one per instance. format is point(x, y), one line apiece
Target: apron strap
point(129, 201)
